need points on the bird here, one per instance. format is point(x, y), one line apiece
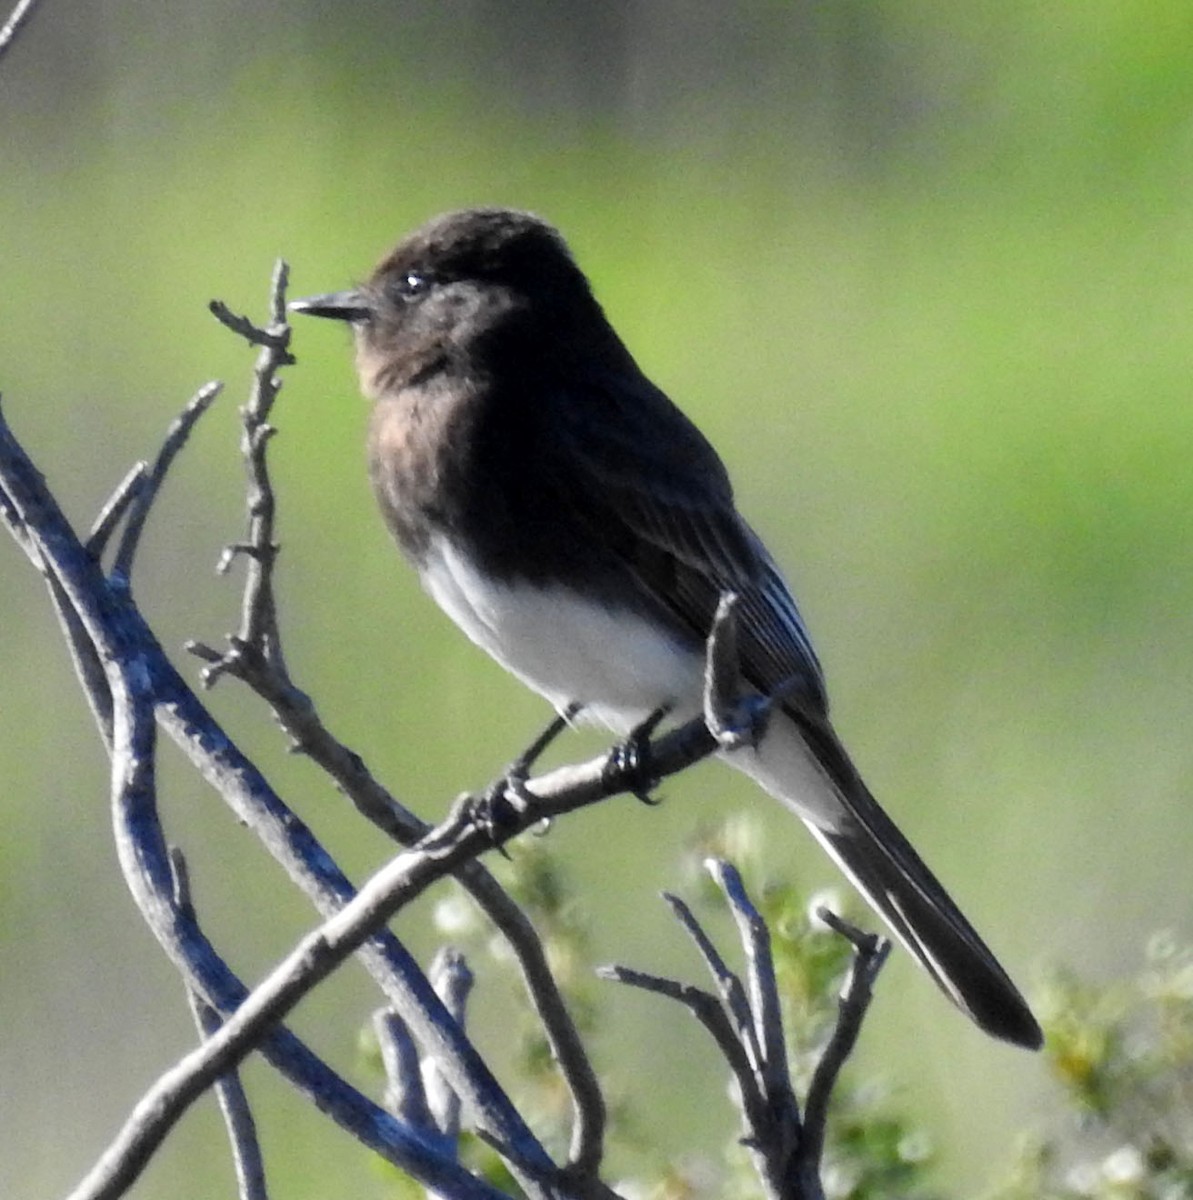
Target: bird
point(578, 526)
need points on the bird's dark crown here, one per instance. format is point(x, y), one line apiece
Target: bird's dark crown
point(468, 291)
point(488, 245)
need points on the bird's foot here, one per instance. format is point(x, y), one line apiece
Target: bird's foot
point(496, 809)
point(630, 760)
point(741, 723)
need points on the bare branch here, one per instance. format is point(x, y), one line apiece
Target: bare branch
point(146, 865)
point(16, 20)
point(118, 634)
point(869, 954)
point(405, 1095)
point(316, 955)
point(452, 980)
point(234, 1104)
point(732, 994)
point(114, 508)
point(710, 1012)
point(764, 990)
point(785, 1150)
point(258, 623)
point(141, 503)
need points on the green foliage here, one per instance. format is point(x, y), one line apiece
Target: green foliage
point(1123, 1053)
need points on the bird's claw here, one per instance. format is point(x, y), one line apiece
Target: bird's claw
point(631, 759)
point(496, 810)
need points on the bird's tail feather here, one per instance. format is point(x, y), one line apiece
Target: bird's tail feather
point(802, 763)
point(924, 918)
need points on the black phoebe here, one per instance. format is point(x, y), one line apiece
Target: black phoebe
point(577, 526)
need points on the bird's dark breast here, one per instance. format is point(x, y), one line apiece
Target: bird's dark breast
point(477, 464)
point(411, 465)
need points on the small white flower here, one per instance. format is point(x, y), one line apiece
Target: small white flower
point(454, 915)
point(1083, 1178)
point(1124, 1166)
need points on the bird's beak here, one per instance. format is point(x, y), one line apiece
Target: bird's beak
point(352, 306)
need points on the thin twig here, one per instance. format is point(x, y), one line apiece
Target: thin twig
point(869, 954)
point(733, 995)
point(229, 1091)
point(452, 979)
point(764, 990)
point(16, 20)
point(141, 503)
point(114, 508)
point(785, 1149)
point(259, 623)
point(272, 337)
point(405, 1096)
point(710, 1012)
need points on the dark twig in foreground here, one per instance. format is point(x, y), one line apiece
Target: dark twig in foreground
point(234, 1104)
point(786, 1149)
point(869, 954)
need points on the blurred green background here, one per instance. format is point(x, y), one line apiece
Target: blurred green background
point(924, 274)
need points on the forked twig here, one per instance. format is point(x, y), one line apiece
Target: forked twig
point(786, 1148)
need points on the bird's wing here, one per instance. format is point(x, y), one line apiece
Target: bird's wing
point(648, 482)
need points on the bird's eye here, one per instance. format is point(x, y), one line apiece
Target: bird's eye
point(410, 285)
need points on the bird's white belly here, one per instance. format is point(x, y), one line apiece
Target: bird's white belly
point(619, 665)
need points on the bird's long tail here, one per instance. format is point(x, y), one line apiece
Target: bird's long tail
point(802, 763)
